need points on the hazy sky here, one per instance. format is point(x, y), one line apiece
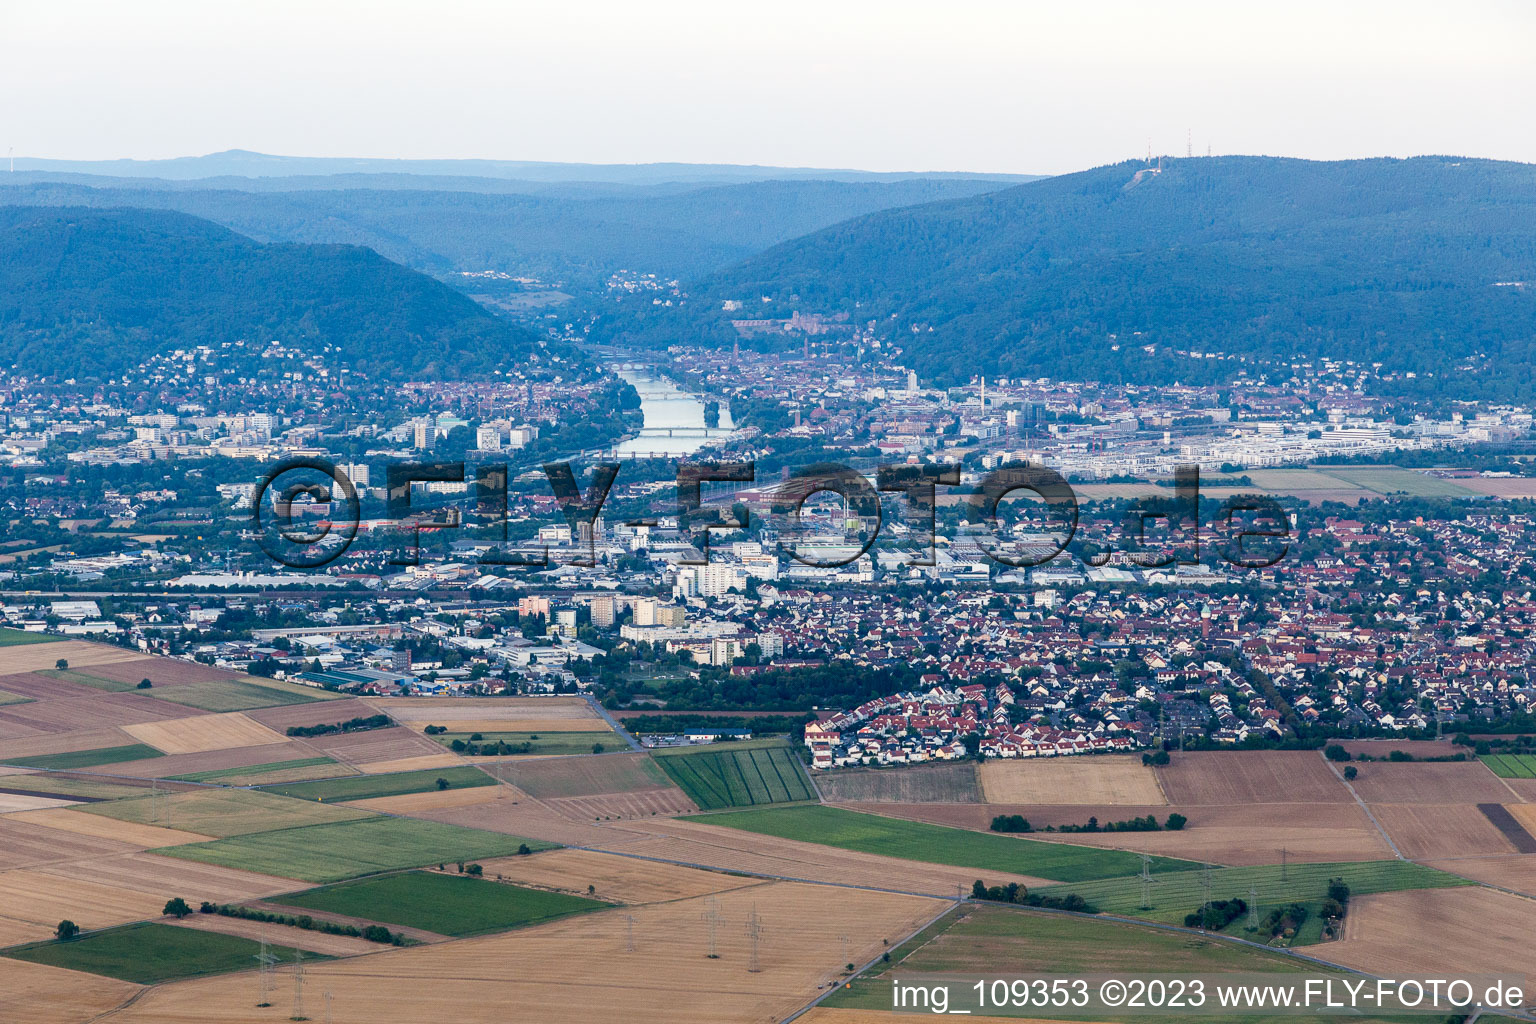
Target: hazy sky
point(878, 84)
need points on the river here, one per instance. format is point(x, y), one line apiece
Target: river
point(674, 418)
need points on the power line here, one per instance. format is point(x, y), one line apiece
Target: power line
point(755, 934)
point(298, 986)
point(712, 917)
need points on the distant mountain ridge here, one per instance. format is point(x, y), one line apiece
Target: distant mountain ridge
point(90, 293)
point(575, 234)
point(1118, 273)
point(245, 163)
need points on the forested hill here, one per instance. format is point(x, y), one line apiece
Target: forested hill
point(573, 234)
point(1411, 263)
point(88, 293)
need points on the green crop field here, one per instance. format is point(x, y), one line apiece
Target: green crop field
point(232, 695)
point(1392, 480)
point(151, 953)
point(1511, 766)
point(365, 787)
point(938, 844)
point(86, 679)
point(1176, 893)
point(13, 698)
point(87, 758)
point(728, 776)
point(90, 789)
point(977, 941)
point(224, 812)
point(332, 853)
point(17, 637)
point(538, 742)
point(445, 904)
point(221, 774)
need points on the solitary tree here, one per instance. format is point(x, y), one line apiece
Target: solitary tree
point(61, 664)
point(442, 783)
point(145, 684)
point(176, 908)
point(66, 930)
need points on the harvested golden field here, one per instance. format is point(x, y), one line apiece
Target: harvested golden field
point(174, 765)
point(25, 845)
point(409, 764)
point(728, 849)
point(1237, 834)
point(360, 748)
point(492, 714)
point(1429, 831)
point(625, 879)
point(1252, 777)
point(204, 732)
point(1077, 780)
point(1446, 782)
point(38, 994)
point(432, 800)
point(143, 836)
point(169, 876)
point(647, 804)
point(44, 900)
point(11, 803)
point(1516, 871)
point(1525, 814)
point(79, 654)
point(579, 970)
point(518, 814)
point(281, 935)
point(1437, 933)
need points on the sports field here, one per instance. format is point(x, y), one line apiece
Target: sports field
point(368, 787)
point(17, 637)
point(1174, 894)
point(716, 778)
point(332, 853)
point(152, 953)
point(1511, 766)
point(448, 904)
point(86, 758)
point(935, 844)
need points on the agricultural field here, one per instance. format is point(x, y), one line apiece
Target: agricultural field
point(367, 787)
point(979, 939)
point(335, 852)
point(218, 695)
point(296, 769)
point(95, 682)
point(12, 698)
point(1447, 782)
point(34, 656)
point(71, 819)
point(201, 733)
point(1430, 831)
point(870, 833)
point(1511, 766)
point(926, 783)
point(39, 994)
point(86, 758)
point(582, 968)
point(1222, 834)
point(1174, 894)
point(588, 788)
point(456, 905)
point(1252, 777)
point(1105, 779)
point(1392, 480)
point(716, 778)
point(493, 714)
point(1447, 933)
point(224, 812)
point(32, 903)
point(72, 786)
point(621, 879)
point(422, 804)
point(545, 743)
point(150, 953)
